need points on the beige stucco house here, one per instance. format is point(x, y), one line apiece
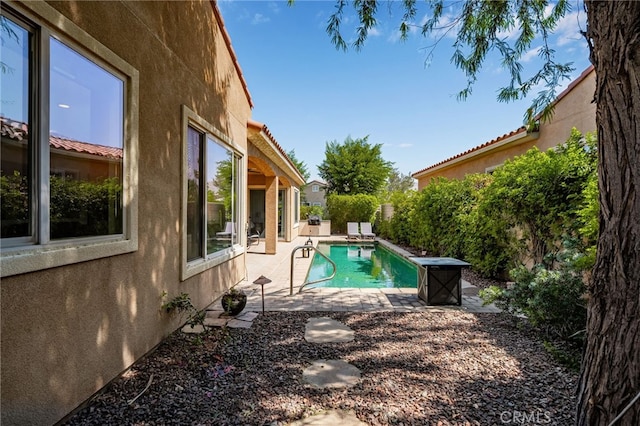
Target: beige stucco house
point(574, 107)
point(315, 193)
point(128, 158)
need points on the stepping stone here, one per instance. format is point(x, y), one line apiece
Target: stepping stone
point(327, 330)
point(247, 316)
point(215, 322)
point(324, 374)
point(196, 329)
point(236, 323)
point(330, 418)
point(213, 313)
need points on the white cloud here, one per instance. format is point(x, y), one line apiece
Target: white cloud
point(569, 27)
point(259, 18)
point(274, 7)
point(374, 32)
point(529, 55)
point(405, 145)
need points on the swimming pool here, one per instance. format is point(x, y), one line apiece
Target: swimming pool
point(368, 265)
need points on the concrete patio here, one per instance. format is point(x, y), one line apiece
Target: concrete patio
point(277, 293)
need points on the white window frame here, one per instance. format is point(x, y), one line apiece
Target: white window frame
point(45, 254)
point(315, 188)
point(296, 207)
point(197, 266)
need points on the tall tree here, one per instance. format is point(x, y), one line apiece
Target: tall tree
point(354, 167)
point(300, 165)
point(610, 379)
point(398, 181)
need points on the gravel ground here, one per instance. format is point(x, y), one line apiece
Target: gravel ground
point(427, 368)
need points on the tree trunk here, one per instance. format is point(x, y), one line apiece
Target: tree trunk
point(610, 377)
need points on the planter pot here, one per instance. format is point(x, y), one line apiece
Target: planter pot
point(233, 305)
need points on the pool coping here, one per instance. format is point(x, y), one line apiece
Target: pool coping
point(277, 296)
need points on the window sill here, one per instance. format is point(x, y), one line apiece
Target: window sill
point(22, 260)
point(198, 266)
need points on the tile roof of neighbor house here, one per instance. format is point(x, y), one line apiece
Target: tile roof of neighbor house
point(263, 127)
point(18, 131)
point(227, 40)
point(522, 129)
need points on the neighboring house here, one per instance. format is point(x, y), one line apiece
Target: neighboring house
point(574, 107)
point(131, 203)
point(315, 193)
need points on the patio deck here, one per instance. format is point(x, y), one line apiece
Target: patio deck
point(276, 294)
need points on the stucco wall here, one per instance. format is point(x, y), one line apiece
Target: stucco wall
point(574, 109)
point(68, 331)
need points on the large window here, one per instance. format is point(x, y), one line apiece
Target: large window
point(212, 194)
point(296, 206)
point(64, 146)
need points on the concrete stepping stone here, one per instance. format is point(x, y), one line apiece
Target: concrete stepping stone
point(327, 330)
point(247, 316)
point(236, 323)
point(215, 322)
point(330, 418)
point(196, 329)
point(324, 374)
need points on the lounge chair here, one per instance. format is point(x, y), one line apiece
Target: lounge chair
point(228, 230)
point(365, 229)
point(352, 231)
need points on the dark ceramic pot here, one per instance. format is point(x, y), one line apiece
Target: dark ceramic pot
point(234, 304)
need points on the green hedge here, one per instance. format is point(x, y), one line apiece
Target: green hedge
point(350, 208)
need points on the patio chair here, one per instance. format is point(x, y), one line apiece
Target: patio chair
point(352, 231)
point(228, 230)
point(365, 229)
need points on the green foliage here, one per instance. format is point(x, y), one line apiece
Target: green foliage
point(550, 299)
point(350, 208)
point(440, 209)
point(182, 304)
point(306, 211)
point(397, 182)
point(489, 242)
point(83, 208)
point(399, 229)
point(14, 205)
point(354, 167)
point(541, 192)
point(300, 165)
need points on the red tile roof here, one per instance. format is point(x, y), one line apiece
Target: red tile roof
point(562, 94)
point(263, 127)
point(234, 58)
point(18, 131)
point(522, 129)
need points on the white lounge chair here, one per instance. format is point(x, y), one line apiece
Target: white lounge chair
point(352, 231)
point(365, 230)
point(228, 230)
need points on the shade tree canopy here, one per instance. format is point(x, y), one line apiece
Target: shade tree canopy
point(354, 167)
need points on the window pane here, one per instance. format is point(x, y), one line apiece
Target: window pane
point(16, 178)
point(221, 222)
point(86, 143)
point(194, 195)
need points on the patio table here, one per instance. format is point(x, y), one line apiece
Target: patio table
point(440, 279)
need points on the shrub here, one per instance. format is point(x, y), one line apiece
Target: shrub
point(552, 300)
point(350, 208)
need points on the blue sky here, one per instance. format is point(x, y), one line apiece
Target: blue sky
point(308, 93)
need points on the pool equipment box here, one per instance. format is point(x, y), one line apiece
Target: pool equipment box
point(440, 279)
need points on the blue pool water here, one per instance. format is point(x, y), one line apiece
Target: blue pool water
point(362, 266)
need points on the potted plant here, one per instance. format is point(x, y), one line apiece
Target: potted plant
point(233, 301)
